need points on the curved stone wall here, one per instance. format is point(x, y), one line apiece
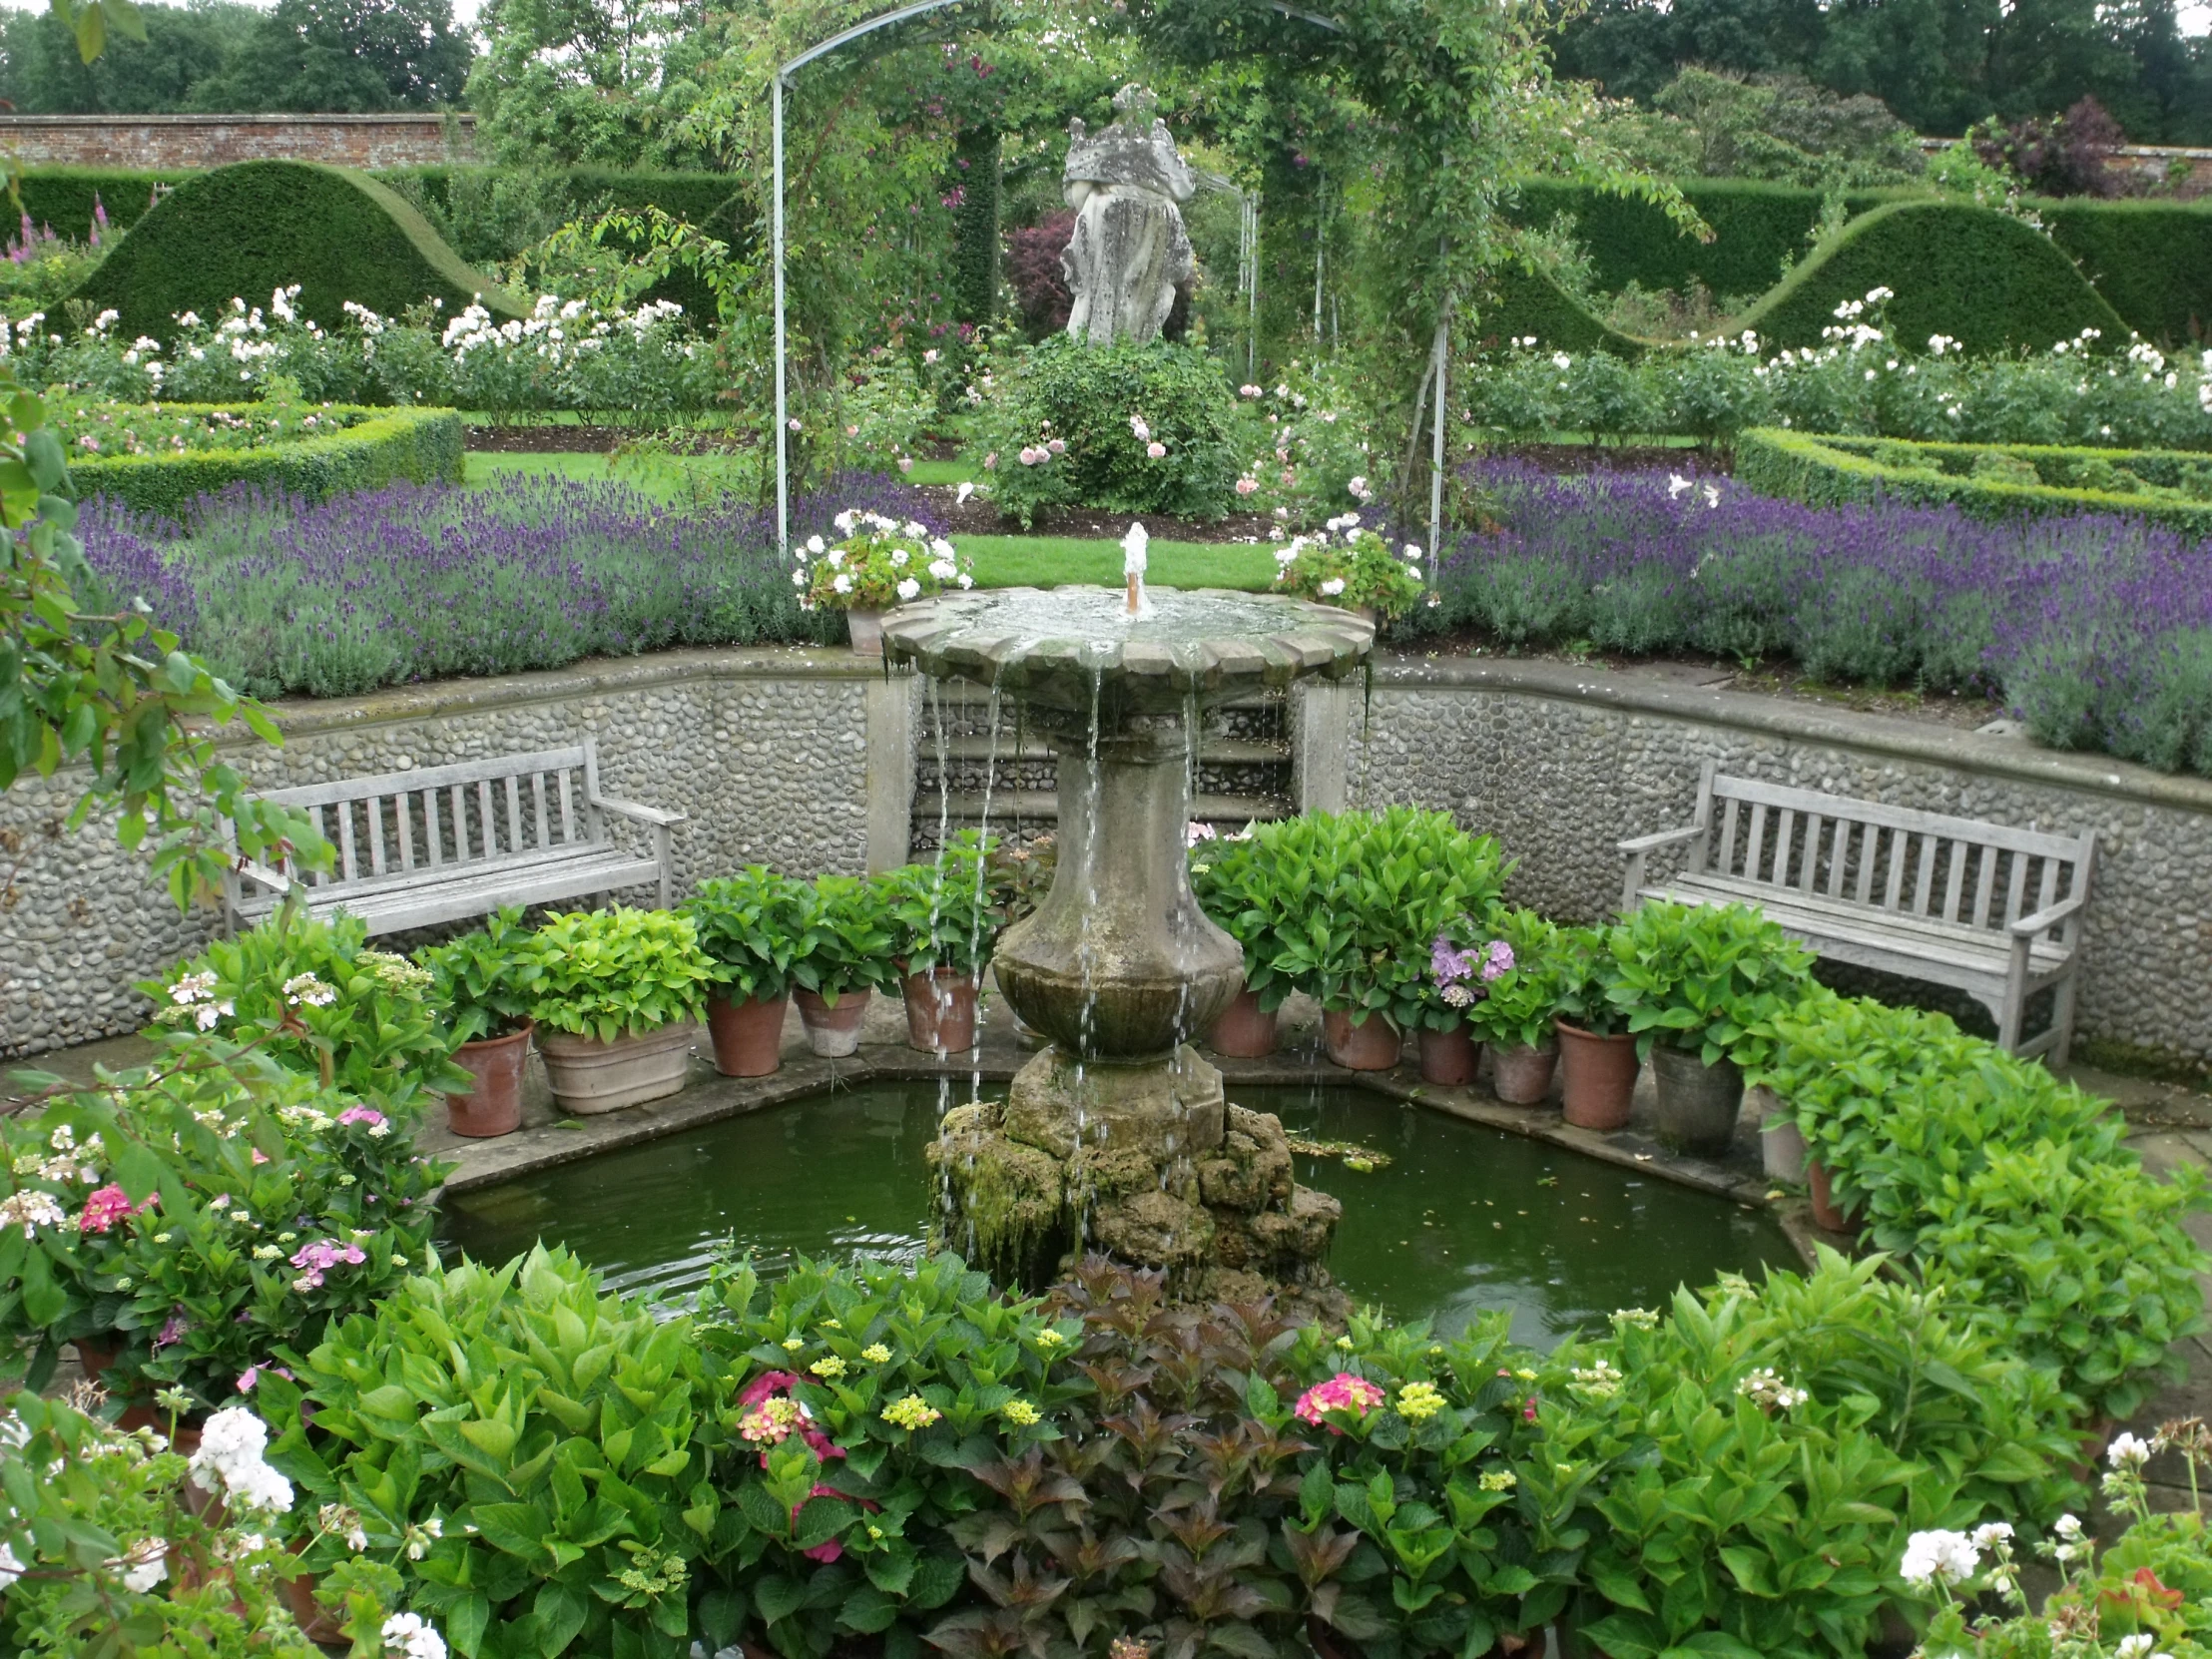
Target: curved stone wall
point(807, 761)
point(766, 749)
point(1561, 763)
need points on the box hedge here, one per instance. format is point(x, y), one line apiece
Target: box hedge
point(244, 231)
point(1985, 480)
point(1978, 276)
point(382, 446)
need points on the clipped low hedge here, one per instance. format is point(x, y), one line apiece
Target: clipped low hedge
point(1985, 480)
point(242, 231)
point(382, 446)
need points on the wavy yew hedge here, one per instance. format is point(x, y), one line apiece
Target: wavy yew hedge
point(377, 448)
point(248, 230)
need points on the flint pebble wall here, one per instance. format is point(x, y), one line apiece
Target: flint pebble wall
point(1561, 763)
point(765, 749)
point(806, 761)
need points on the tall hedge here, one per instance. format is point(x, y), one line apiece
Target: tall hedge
point(1977, 274)
point(1826, 471)
point(1524, 302)
point(382, 446)
point(1756, 226)
point(246, 230)
point(63, 197)
point(2151, 260)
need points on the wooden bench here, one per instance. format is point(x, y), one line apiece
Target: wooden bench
point(446, 843)
point(1987, 910)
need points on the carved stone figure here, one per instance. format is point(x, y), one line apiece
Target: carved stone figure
point(1130, 252)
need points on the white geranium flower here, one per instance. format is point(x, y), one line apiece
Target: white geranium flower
point(815, 544)
point(844, 584)
point(410, 1636)
point(908, 588)
point(1333, 586)
point(1939, 1557)
point(2128, 1453)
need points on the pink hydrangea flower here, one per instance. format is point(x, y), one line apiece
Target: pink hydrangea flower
point(361, 1114)
point(1342, 1392)
point(106, 1206)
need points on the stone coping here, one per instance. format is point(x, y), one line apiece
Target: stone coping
point(593, 677)
point(1628, 690)
point(1798, 722)
point(527, 1151)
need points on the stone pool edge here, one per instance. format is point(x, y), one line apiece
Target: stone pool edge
point(571, 1140)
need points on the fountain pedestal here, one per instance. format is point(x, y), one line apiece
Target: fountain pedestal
point(1118, 1137)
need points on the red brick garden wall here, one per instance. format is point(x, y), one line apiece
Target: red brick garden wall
point(188, 141)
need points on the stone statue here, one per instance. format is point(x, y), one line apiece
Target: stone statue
point(1130, 252)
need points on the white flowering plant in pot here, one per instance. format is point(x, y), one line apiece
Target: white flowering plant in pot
point(1347, 564)
point(880, 563)
point(125, 1543)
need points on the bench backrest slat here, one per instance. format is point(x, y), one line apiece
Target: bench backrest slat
point(440, 816)
point(1950, 870)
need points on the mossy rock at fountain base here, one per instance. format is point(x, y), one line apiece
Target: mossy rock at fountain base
point(1008, 1200)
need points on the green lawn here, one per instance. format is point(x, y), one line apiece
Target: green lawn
point(1000, 561)
point(945, 473)
point(1049, 561)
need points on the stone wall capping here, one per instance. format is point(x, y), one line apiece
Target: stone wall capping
point(1784, 718)
point(596, 677)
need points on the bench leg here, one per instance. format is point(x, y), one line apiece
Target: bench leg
point(2063, 1020)
point(2014, 1007)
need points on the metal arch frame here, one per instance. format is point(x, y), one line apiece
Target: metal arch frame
point(784, 74)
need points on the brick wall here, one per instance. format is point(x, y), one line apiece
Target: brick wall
point(188, 141)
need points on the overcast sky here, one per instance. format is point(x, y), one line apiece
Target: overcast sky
point(2195, 16)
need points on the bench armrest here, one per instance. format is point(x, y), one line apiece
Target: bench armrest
point(1662, 838)
point(631, 809)
point(275, 880)
point(2043, 922)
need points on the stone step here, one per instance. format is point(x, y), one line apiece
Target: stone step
point(1028, 806)
point(1030, 745)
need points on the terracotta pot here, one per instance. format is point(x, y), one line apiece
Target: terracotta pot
point(494, 1106)
point(832, 1031)
point(2096, 1438)
point(748, 1036)
point(589, 1076)
point(316, 1624)
point(96, 1353)
point(1600, 1077)
point(1372, 1045)
point(1522, 1075)
point(1826, 1212)
point(1244, 1033)
point(1697, 1105)
point(940, 1012)
point(868, 632)
point(1447, 1057)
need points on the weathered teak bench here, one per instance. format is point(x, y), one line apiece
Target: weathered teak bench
point(444, 842)
point(1946, 899)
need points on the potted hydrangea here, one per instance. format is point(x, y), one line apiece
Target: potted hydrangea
point(618, 1008)
point(1458, 979)
point(945, 926)
point(880, 563)
point(1344, 564)
point(845, 957)
point(1514, 1013)
point(484, 981)
point(753, 927)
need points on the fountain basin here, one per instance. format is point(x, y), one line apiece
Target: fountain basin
point(1463, 1218)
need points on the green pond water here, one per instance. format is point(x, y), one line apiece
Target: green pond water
point(1462, 1219)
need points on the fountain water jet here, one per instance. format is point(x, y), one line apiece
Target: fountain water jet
point(1118, 1136)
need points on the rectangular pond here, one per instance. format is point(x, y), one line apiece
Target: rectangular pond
point(1453, 1218)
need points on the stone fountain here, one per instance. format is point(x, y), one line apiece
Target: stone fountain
point(1118, 1136)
